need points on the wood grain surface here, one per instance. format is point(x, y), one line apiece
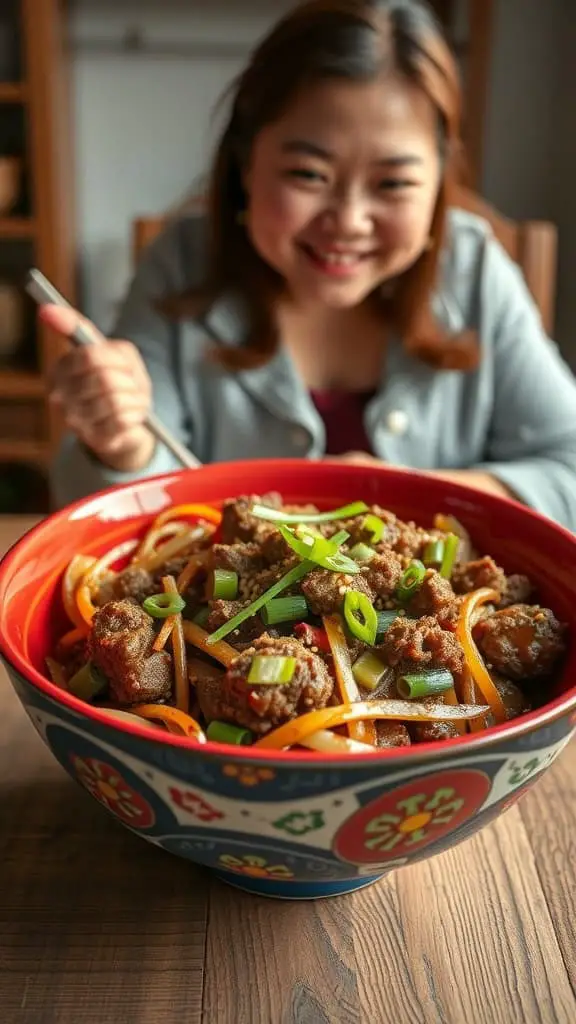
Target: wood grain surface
point(97, 927)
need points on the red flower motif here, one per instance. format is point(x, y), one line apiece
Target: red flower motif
point(108, 787)
point(412, 817)
point(194, 805)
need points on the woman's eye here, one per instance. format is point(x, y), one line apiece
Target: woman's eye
point(395, 184)
point(305, 174)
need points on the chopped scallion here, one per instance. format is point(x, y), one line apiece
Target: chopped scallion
point(162, 606)
point(411, 580)
point(434, 552)
point(87, 683)
point(291, 577)
point(362, 553)
point(224, 585)
point(202, 616)
point(322, 551)
point(271, 669)
point(368, 670)
point(275, 515)
point(361, 617)
point(285, 609)
point(451, 545)
point(385, 620)
point(374, 526)
point(223, 732)
point(415, 685)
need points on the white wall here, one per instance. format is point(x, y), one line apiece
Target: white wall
point(144, 125)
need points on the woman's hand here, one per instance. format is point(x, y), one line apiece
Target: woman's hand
point(105, 393)
point(480, 481)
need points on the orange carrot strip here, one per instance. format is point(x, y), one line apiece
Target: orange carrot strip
point(364, 732)
point(392, 710)
point(189, 571)
point(478, 670)
point(151, 538)
point(211, 515)
point(186, 725)
point(158, 558)
point(75, 571)
point(74, 636)
point(449, 697)
point(221, 651)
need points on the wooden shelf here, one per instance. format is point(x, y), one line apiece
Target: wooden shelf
point(24, 451)
point(13, 92)
point(17, 227)
point(21, 384)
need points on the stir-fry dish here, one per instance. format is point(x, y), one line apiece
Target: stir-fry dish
point(283, 627)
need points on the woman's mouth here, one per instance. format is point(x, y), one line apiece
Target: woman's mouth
point(335, 263)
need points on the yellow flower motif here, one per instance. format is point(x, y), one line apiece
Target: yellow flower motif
point(254, 867)
point(248, 775)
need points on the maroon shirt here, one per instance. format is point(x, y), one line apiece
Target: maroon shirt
point(342, 413)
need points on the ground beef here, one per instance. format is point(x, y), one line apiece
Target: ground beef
point(429, 732)
point(223, 611)
point(383, 574)
point(483, 572)
point(421, 642)
point(521, 642)
point(239, 525)
point(435, 597)
point(514, 700)
point(120, 644)
point(261, 708)
point(244, 559)
point(136, 584)
point(325, 590)
point(518, 590)
point(392, 734)
point(73, 658)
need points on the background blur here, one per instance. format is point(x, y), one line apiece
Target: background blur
point(107, 114)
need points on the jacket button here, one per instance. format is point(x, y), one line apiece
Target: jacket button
point(397, 422)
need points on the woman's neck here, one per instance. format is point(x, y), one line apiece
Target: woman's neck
point(334, 349)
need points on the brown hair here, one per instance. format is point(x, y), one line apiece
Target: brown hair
point(355, 40)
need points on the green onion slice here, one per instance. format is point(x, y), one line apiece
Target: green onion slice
point(411, 580)
point(434, 552)
point(322, 551)
point(223, 732)
point(285, 609)
point(275, 515)
point(224, 585)
point(451, 545)
point(374, 526)
point(289, 578)
point(368, 670)
point(414, 685)
point(385, 620)
point(361, 617)
point(87, 683)
point(362, 553)
point(271, 669)
point(161, 606)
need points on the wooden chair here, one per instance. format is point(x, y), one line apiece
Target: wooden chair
point(533, 245)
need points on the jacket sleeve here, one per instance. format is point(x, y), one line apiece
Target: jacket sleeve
point(532, 442)
point(164, 269)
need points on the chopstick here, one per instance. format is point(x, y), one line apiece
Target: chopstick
point(44, 293)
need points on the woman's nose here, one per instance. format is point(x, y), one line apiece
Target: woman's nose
point(351, 216)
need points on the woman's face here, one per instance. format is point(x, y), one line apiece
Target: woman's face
point(342, 188)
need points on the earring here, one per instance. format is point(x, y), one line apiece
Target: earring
point(242, 218)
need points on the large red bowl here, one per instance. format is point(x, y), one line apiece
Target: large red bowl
point(290, 824)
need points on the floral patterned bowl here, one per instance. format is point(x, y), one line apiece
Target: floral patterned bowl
point(290, 825)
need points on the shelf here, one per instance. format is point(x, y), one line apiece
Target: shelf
point(13, 92)
point(24, 451)
point(21, 384)
point(17, 227)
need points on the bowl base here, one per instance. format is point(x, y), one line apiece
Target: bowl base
point(293, 890)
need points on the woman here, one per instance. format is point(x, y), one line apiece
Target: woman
point(333, 302)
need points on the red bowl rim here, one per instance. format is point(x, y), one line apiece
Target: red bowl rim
point(477, 742)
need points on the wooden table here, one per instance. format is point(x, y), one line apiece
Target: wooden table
point(97, 927)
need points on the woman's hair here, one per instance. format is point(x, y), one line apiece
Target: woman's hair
point(354, 40)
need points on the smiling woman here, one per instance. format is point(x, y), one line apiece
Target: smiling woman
point(333, 299)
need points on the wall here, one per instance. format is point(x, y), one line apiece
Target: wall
point(145, 125)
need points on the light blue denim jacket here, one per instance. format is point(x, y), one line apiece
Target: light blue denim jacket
point(515, 416)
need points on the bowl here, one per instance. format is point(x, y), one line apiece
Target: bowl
point(294, 825)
